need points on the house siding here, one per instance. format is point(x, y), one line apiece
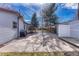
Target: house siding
point(7, 32)
point(74, 28)
point(63, 30)
point(21, 25)
point(6, 19)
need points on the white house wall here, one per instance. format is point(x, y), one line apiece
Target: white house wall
point(6, 26)
point(70, 30)
point(21, 25)
point(6, 19)
point(27, 28)
point(63, 30)
point(74, 28)
point(6, 34)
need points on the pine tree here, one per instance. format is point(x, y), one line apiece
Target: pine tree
point(34, 21)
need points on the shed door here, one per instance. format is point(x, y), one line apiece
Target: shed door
point(64, 30)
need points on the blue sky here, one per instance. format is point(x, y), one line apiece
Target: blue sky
point(65, 12)
point(26, 10)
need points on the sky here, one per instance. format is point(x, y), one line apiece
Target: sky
point(65, 11)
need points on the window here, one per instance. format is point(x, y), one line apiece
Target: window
point(14, 24)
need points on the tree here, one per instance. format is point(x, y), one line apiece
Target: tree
point(49, 15)
point(34, 21)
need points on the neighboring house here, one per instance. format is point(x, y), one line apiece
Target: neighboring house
point(69, 29)
point(11, 23)
point(27, 26)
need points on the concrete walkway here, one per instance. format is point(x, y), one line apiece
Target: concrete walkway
point(71, 40)
point(38, 43)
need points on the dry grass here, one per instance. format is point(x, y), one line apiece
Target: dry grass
point(32, 54)
point(74, 53)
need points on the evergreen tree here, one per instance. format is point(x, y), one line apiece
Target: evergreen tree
point(34, 21)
